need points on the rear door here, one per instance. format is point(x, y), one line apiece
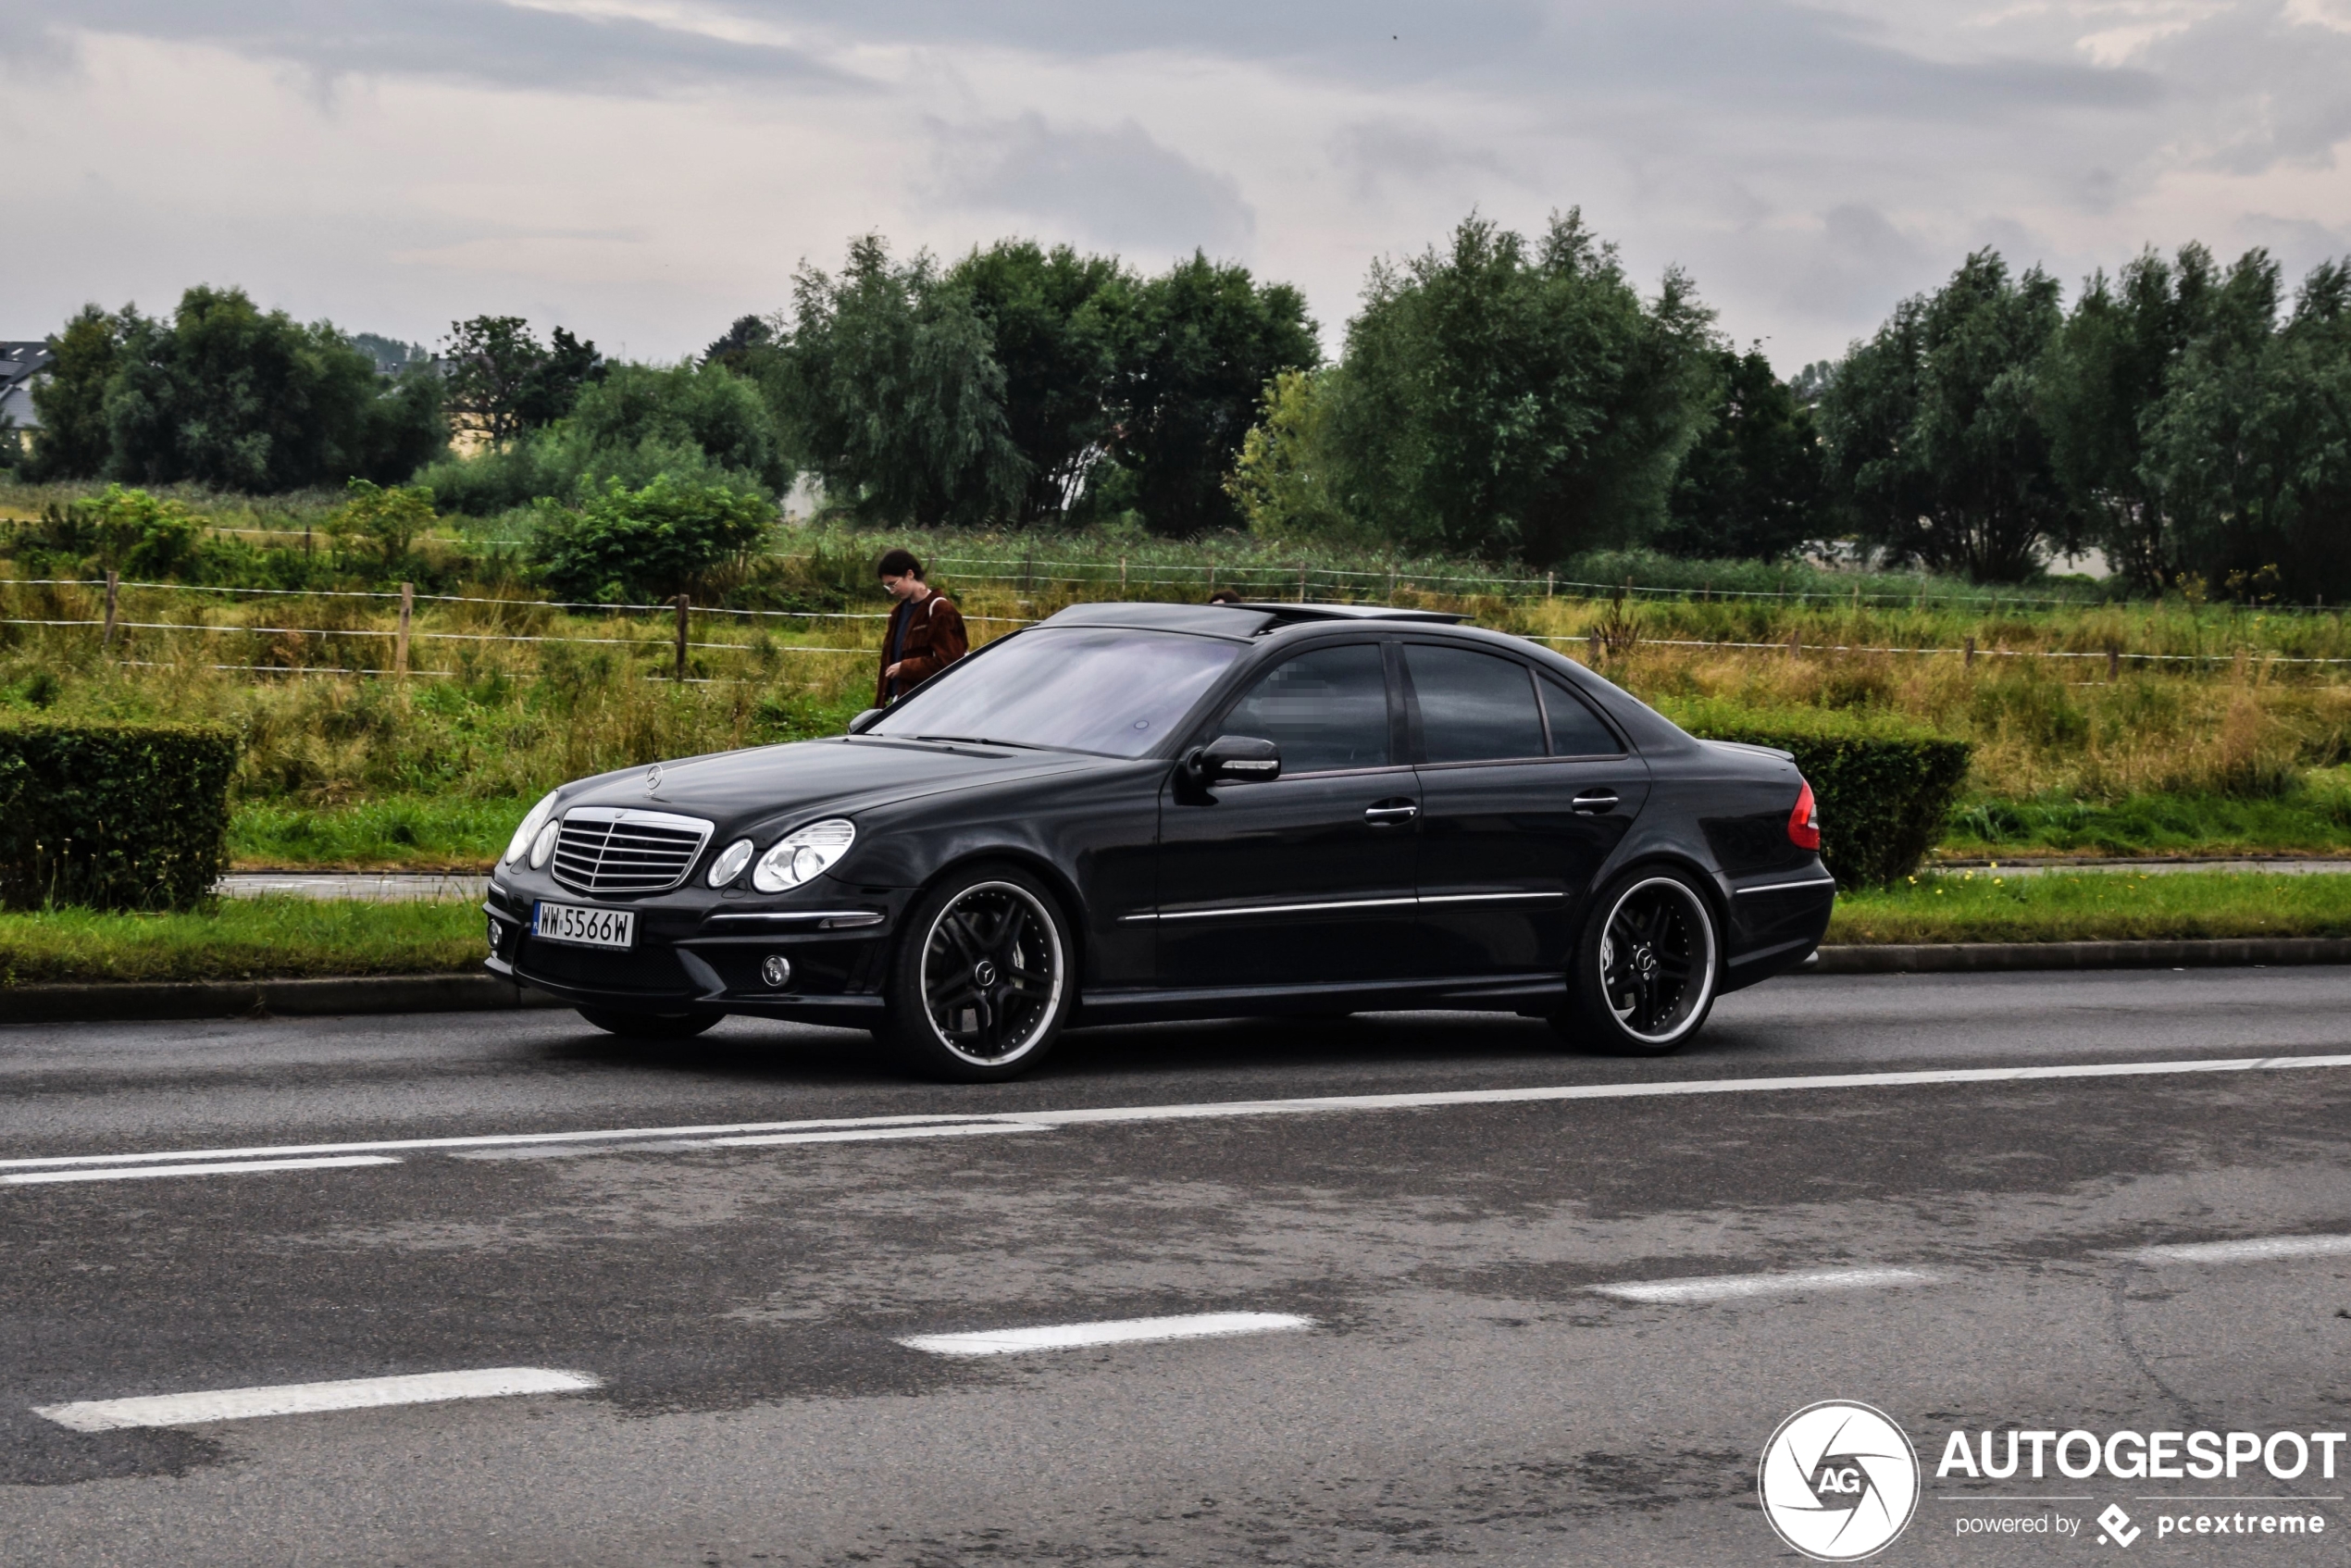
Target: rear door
point(1308, 879)
point(1524, 792)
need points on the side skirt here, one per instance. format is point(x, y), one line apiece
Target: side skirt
point(1531, 994)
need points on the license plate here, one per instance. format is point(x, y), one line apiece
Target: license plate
point(584, 926)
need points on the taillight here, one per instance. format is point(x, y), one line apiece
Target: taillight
point(1804, 822)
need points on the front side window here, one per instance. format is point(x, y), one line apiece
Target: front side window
point(1111, 690)
point(1475, 706)
point(1325, 709)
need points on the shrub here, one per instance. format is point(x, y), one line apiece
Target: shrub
point(627, 546)
point(113, 816)
point(1885, 787)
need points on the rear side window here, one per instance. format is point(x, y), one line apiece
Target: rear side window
point(1474, 707)
point(1327, 709)
point(1576, 730)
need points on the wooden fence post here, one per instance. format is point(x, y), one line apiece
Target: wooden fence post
point(1122, 574)
point(1548, 583)
point(2114, 664)
point(682, 607)
point(1598, 648)
point(106, 637)
point(1301, 583)
point(1795, 645)
point(1969, 660)
point(400, 638)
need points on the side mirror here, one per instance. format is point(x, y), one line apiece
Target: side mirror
point(1235, 759)
point(864, 721)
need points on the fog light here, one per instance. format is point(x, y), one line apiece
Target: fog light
point(776, 970)
point(493, 938)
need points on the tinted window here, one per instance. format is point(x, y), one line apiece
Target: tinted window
point(1084, 688)
point(1327, 709)
point(1474, 707)
point(1576, 730)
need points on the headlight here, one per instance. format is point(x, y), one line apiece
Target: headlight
point(803, 853)
point(731, 863)
point(530, 825)
point(543, 846)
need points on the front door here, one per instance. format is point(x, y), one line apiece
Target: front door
point(1307, 880)
point(1524, 792)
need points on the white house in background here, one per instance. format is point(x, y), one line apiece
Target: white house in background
point(20, 363)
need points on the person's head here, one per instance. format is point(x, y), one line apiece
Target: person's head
point(1223, 596)
point(901, 575)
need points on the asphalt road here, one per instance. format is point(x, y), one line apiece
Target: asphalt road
point(1466, 1386)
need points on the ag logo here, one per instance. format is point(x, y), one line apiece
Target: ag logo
point(1839, 1481)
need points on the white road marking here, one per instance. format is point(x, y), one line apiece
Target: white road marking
point(1118, 1331)
point(1637, 1089)
point(756, 1141)
point(120, 1173)
point(304, 1399)
point(2254, 1250)
point(1731, 1287)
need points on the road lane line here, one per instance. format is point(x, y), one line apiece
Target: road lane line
point(1641, 1089)
point(1118, 1331)
point(2254, 1250)
point(1732, 1286)
point(760, 1140)
point(306, 1398)
point(128, 1173)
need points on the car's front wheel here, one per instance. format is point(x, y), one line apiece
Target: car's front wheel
point(648, 1026)
point(981, 983)
point(1644, 971)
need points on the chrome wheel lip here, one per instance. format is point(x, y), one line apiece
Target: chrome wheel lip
point(1043, 919)
point(1703, 963)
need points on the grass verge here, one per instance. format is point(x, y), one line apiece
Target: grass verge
point(398, 833)
point(242, 939)
point(2058, 906)
point(2313, 819)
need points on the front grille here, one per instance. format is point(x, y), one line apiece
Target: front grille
point(607, 850)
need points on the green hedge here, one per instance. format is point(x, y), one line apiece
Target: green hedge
point(113, 816)
point(1885, 785)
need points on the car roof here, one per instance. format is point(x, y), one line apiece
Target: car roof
point(1238, 621)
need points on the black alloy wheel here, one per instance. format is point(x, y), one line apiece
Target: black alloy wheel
point(648, 1026)
point(982, 985)
point(1645, 970)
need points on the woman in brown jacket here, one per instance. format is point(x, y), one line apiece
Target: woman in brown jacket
point(925, 631)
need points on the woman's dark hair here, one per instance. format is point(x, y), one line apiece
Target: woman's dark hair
point(899, 563)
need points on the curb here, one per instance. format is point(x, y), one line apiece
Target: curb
point(245, 999)
point(1949, 958)
point(107, 1001)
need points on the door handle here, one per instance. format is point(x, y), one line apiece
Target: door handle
point(1594, 802)
point(1389, 813)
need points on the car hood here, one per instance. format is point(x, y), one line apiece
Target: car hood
point(846, 775)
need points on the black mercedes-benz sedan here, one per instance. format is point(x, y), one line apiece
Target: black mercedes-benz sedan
point(1162, 811)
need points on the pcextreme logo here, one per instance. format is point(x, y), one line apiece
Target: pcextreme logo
point(1839, 1481)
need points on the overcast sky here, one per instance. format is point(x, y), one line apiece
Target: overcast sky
point(645, 170)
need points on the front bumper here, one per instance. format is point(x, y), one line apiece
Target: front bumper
point(698, 952)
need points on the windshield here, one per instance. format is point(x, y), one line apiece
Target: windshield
point(1115, 689)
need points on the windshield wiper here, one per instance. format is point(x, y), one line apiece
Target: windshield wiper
point(985, 740)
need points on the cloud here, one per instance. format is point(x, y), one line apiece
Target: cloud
point(1114, 185)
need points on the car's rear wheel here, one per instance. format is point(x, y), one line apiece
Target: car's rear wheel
point(982, 985)
point(1645, 968)
point(648, 1026)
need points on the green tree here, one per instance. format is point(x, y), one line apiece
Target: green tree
point(1934, 433)
point(1503, 402)
point(2251, 447)
point(625, 546)
point(893, 394)
point(1753, 484)
point(501, 381)
point(702, 407)
point(228, 395)
point(1202, 341)
point(1282, 481)
point(381, 525)
point(1057, 325)
point(71, 399)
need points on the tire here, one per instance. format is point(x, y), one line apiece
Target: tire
point(1647, 966)
point(648, 1026)
point(981, 982)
